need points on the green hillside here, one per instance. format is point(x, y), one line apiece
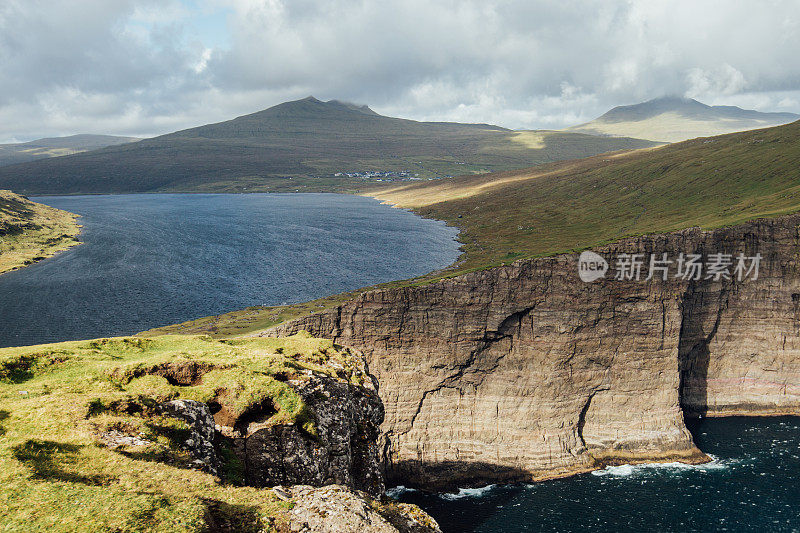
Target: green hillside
point(307, 140)
point(573, 205)
point(707, 182)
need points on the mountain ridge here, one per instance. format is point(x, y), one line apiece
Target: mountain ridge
point(675, 118)
point(13, 153)
point(307, 112)
point(305, 145)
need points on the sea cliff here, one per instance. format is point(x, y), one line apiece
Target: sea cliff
point(524, 372)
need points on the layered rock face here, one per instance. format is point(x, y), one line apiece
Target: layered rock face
point(525, 372)
point(740, 342)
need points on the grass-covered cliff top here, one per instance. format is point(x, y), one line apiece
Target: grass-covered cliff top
point(30, 231)
point(573, 205)
point(61, 403)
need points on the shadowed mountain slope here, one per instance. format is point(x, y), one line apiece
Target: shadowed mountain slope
point(310, 141)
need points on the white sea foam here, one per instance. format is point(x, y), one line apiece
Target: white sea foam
point(616, 471)
point(396, 492)
point(467, 493)
point(632, 470)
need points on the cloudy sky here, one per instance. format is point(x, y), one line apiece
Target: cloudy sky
point(145, 67)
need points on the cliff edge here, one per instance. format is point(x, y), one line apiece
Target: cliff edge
point(525, 372)
point(187, 433)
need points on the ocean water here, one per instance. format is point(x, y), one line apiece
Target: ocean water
point(156, 259)
point(753, 484)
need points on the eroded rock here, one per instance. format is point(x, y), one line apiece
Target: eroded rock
point(337, 509)
point(343, 451)
point(202, 434)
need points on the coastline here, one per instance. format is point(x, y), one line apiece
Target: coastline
point(747, 483)
point(48, 254)
point(603, 460)
point(692, 458)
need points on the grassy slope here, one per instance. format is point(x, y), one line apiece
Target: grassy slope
point(707, 182)
point(574, 205)
point(56, 401)
point(308, 140)
point(30, 231)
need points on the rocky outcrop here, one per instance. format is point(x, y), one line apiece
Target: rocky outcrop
point(342, 450)
point(299, 412)
point(336, 509)
point(523, 372)
point(200, 443)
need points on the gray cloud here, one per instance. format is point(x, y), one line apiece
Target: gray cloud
point(143, 66)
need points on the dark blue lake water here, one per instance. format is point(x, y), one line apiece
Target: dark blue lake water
point(752, 485)
point(151, 260)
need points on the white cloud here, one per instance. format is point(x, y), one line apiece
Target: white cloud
point(152, 66)
point(202, 63)
point(722, 81)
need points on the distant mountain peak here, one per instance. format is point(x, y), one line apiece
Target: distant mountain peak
point(353, 107)
point(672, 118)
point(361, 108)
point(671, 98)
point(654, 107)
point(311, 107)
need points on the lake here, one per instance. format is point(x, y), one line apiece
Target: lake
point(150, 260)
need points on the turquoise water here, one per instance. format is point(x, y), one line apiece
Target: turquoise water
point(753, 484)
point(157, 259)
